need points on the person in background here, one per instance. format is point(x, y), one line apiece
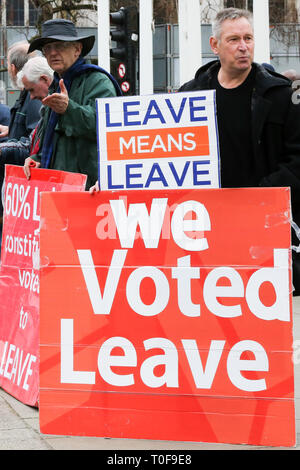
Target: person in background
point(68, 129)
point(291, 74)
point(268, 66)
point(258, 123)
point(35, 77)
point(24, 114)
point(4, 118)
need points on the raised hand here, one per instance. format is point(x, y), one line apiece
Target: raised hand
point(58, 101)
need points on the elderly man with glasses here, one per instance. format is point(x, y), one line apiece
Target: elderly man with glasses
point(68, 136)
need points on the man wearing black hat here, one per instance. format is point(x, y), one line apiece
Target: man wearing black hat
point(68, 135)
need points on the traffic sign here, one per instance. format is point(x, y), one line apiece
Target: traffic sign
point(125, 86)
point(122, 70)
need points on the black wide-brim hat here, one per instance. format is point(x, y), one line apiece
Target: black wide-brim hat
point(61, 30)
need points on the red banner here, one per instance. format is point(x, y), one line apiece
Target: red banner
point(19, 276)
point(168, 315)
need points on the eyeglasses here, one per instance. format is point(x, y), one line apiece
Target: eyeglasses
point(57, 46)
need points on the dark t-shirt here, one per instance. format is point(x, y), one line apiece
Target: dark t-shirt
point(234, 127)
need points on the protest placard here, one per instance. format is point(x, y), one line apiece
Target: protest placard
point(19, 276)
point(158, 141)
point(168, 315)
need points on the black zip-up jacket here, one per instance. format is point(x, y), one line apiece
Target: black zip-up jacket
point(25, 115)
point(275, 124)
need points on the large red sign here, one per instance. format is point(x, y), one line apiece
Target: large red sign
point(167, 315)
point(19, 276)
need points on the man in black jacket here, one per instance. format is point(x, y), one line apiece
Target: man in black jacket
point(258, 123)
point(35, 77)
point(24, 114)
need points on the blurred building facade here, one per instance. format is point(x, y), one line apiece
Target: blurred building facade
point(18, 20)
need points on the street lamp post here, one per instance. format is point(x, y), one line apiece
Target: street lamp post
point(146, 47)
point(103, 34)
point(261, 31)
point(190, 44)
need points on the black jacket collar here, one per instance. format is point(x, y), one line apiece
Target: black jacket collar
point(264, 79)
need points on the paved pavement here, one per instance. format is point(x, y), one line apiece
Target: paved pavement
point(19, 426)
